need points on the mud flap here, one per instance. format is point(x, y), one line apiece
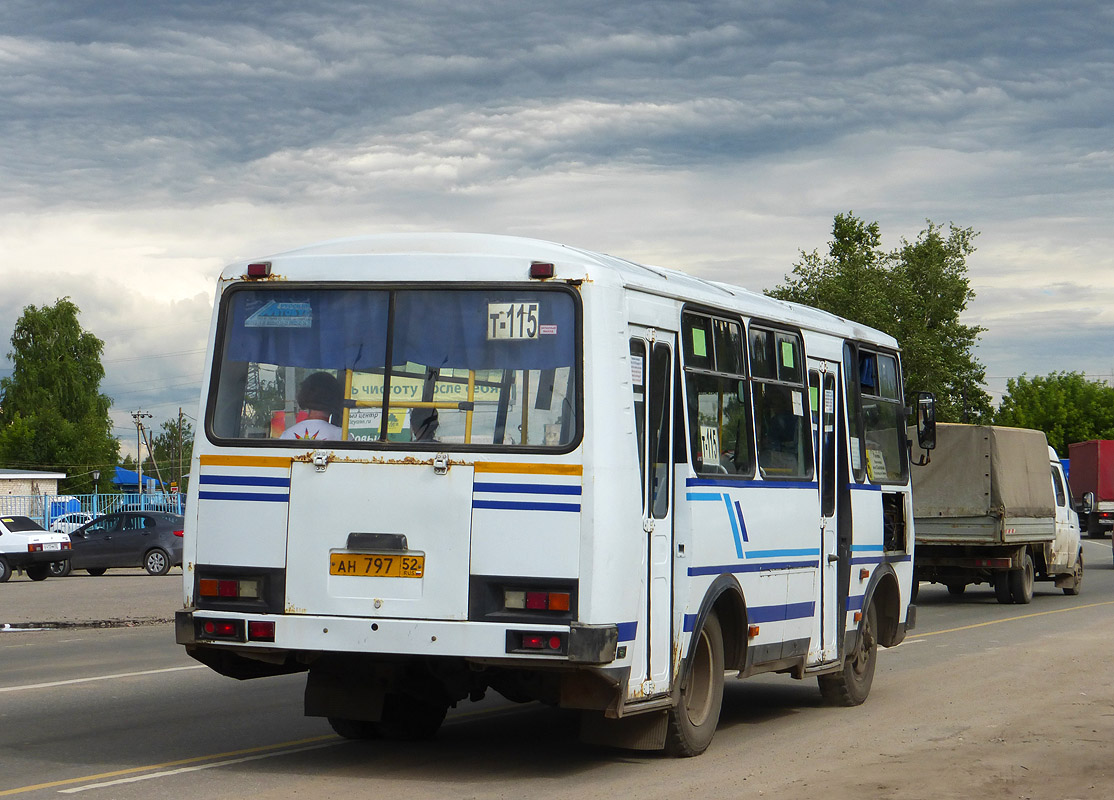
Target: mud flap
point(640, 732)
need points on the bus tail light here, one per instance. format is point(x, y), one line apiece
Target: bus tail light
point(261, 631)
point(229, 588)
point(540, 642)
point(229, 629)
point(517, 599)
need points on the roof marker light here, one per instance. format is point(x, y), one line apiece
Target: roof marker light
point(540, 270)
point(260, 269)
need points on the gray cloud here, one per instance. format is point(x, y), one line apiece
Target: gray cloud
point(145, 145)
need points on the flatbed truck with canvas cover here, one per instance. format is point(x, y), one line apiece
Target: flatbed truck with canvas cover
point(992, 506)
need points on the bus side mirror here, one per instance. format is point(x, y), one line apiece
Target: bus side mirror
point(926, 420)
point(926, 425)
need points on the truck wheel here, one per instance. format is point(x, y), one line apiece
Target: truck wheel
point(1077, 578)
point(851, 685)
point(692, 724)
point(1021, 582)
point(1002, 588)
point(5, 570)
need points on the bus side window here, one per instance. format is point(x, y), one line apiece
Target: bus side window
point(715, 385)
point(780, 406)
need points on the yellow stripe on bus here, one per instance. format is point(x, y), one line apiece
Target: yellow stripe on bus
point(282, 462)
point(530, 469)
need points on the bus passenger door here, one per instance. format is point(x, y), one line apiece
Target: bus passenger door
point(651, 353)
point(824, 397)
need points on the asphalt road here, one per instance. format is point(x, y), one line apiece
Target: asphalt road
point(983, 700)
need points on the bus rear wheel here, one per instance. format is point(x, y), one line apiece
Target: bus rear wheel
point(851, 685)
point(692, 724)
point(354, 728)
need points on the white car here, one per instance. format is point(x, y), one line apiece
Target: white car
point(68, 523)
point(24, 543)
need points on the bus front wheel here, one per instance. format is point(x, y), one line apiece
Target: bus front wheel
point(692, 724)
point(851, 685)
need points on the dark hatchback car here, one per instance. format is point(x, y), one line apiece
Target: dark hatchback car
point(148, 539)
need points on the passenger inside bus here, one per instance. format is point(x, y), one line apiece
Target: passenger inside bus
point(320, 395)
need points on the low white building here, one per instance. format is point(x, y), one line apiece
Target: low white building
point(29, 482)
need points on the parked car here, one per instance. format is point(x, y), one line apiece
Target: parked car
point(148, 539)
point(69, 522)
point(25, 543)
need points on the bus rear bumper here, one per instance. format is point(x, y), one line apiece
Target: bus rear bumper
point(579, 643)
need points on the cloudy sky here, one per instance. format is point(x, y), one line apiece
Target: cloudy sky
point(143, 146)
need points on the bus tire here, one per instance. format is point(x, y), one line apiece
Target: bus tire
point(354, 728)
point(851, 685)
point(1021, 582)
point(409, 718)
point(692, 723)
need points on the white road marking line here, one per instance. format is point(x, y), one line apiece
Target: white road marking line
point(180, 770)
point(72, 681)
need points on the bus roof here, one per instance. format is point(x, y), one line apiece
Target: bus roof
point(482, 257)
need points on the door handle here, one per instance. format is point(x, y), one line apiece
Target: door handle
point(832, 558)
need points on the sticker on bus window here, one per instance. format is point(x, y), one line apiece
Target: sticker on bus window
point(875, 464)
point(856, 462)
point(512, 321)
point(829, 401)
point(699, 347)
point(799, 404)
point(547, 330)
point(709, 444)
point(814, 398)
point(636, 370)
point(787, 354)
point(281, 315)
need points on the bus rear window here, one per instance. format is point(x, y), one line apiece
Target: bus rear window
point(375, 367)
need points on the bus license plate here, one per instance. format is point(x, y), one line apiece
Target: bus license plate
point(377, 565)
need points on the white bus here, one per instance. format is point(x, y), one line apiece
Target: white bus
point(433, 465)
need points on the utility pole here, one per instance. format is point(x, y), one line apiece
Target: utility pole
point(179, 448)
point(138, 417)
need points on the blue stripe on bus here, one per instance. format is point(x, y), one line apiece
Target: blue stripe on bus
point(627, 631)
point(526, 488)
point(752, 484)
point(865, 487)
point(804, 551)
point(780, 613)
point(861, 548)
point(244, 480)
point(882, 559)
point(250, 497)
point(759, 614)
point(855, 603)
point(703, 496)
point(507, 505)
point(754, 567)
point(734, 526)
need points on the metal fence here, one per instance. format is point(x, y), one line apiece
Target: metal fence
point(45, 508)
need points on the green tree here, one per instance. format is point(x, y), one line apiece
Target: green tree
point(170, 454)
point(52, 413)
point(1065, 405)
point(915, 293)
